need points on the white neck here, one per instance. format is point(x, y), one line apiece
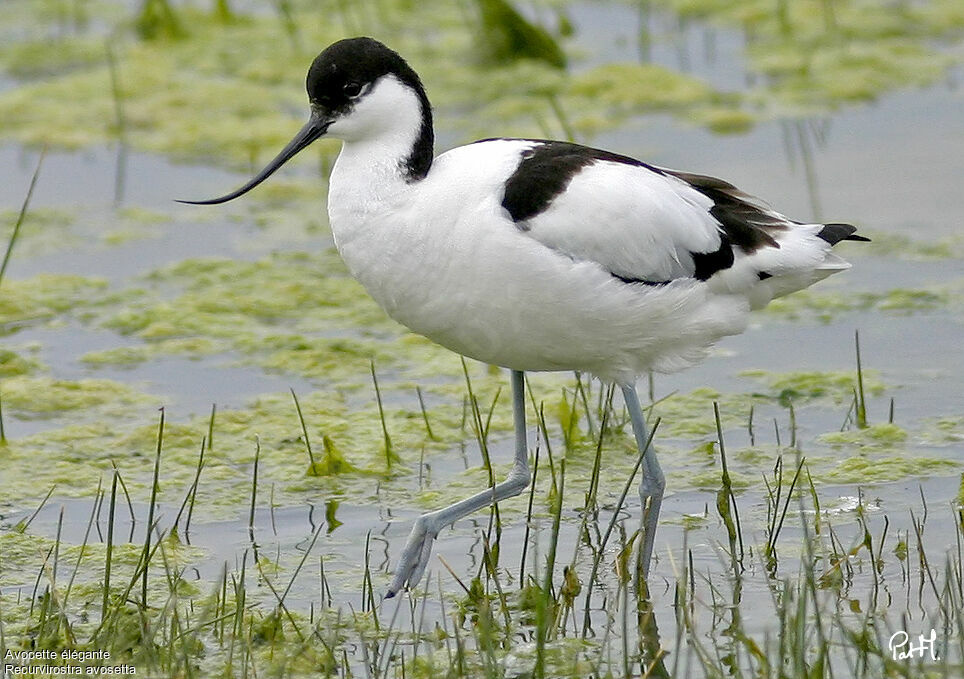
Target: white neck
point(379, 135)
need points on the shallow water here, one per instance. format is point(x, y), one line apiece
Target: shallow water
point(880, 168)
point(892, 167)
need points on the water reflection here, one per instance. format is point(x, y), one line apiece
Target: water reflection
point(819, 134)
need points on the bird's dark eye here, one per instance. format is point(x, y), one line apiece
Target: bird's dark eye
point(352, 88)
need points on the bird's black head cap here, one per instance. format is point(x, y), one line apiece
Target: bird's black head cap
point(346, 70)
point(338, 78)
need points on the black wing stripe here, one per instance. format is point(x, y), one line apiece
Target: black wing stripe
point(834, 233)
point(546, 169)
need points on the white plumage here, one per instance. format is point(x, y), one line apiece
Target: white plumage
point(443, 257)
point(536, 255)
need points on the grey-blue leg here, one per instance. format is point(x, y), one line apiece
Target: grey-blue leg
point(653, 483)
point(418, 549)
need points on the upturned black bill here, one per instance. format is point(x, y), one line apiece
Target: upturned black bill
point(313, 129)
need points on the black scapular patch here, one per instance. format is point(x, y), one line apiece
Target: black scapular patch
point(747, 223)
point(545, 171)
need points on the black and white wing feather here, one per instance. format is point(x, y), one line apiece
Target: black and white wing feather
point(646, 224)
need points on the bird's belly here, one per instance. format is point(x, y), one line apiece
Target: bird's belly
point(504, 300)
point(452, 300)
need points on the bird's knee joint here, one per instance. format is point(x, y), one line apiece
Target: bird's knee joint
point(519, 478)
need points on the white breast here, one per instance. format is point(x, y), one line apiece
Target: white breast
point(442, 257)
point(411, 244)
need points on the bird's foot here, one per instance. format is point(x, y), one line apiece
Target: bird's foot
point(414, 558)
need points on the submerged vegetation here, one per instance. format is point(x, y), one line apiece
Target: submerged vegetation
point(227, 540)
point(819, 585)
point(802, 57)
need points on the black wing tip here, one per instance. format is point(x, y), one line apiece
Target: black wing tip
point(834, 233)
